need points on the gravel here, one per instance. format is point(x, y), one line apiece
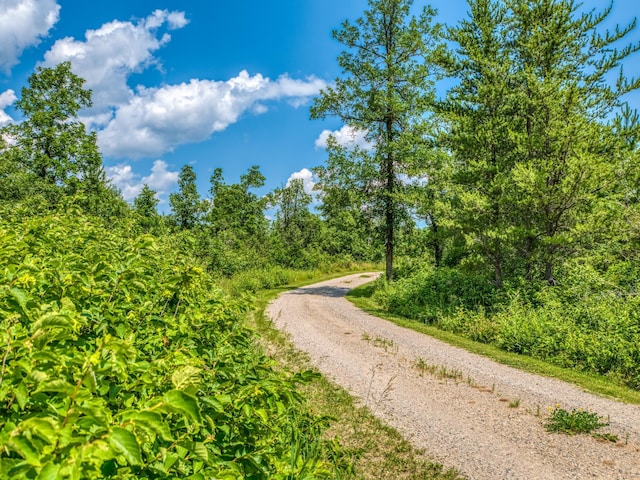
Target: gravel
point(469, 412)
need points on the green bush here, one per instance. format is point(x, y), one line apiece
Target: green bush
point(590, 322)
point(123, 359)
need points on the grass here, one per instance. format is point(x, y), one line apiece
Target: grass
point(441, 372)
point(372, 449)
point(600, 385)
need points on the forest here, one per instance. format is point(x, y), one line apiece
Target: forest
point(505, 210)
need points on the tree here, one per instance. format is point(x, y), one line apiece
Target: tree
point(566, 100)
point(530, 128)
point(51, 157)
point(235, 210)
point(386, 91)
point(237, 230)
point(145, 206)
point(297, 231)
point(481, 111)
point(186, 204)
point(50, 143)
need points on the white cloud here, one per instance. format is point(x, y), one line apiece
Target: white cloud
point(307, 177)
point(158, 119)
point(22, 24)
point(107, 56)
point(6, 98)
point(161, 179)
point(346, 137)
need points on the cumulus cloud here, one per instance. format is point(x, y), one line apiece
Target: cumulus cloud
point(161, 179)
point(307, 177)
point(149, 121)
point(346, 137)
point(6, 99)
point(23, 23)
point(109, 55)
point(158, 119)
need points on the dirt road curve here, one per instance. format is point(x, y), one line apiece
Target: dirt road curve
point(471, 421)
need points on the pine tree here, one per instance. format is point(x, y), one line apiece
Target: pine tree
point(386, 91)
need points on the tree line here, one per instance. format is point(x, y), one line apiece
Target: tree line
point(529, 159)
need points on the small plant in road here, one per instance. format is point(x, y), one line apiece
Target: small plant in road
point(576, 421)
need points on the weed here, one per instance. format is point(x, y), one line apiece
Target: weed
point(515, 403)
point(607, 437)
point(453, 373)
point(576, 421)
point(441, 372)
point(386, 345)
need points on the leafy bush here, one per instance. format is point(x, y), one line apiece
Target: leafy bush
point(122, 359)
point(431, 293)
point(590, 322)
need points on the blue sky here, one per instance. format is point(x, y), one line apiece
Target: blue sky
point(209, 83)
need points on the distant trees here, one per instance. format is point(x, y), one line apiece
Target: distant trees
point(145, 206)
point(186, 204)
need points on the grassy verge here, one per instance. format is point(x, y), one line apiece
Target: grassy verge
point(361, 297)
point(370, 449)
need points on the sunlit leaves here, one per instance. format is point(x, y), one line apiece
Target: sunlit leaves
point(120, 358)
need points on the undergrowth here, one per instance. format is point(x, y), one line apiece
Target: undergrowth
point(590, 322)
point(121, 358)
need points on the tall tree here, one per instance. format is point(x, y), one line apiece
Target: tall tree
point(50, 142)
point(563, 62)
point(530, 128)
point(480, 111)
point(386, 90)
point(186, 204)
point(51, 153)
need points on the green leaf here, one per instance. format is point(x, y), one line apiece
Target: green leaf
point(44, 428)
point(20, 296)
point(201, 451)
point(50, 471)
point(52, 320)
point(183, 403)
point(60, 386)
point(125, 442)
point(185, 376)
point(26, 450)
point(150, 421)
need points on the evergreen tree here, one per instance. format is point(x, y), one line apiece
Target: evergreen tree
point(146, 208)
point(186, 204)
point(567, 168)
point(386, 91)
point(481, 113)
point(530, 129)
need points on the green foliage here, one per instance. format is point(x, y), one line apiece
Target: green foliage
point(590, 323)
point(145, 207)
point(121, 359)
point(576, 421)
point(430, 294)
point(52, 157)
point(537, 160)
point(386, 93)
point(186, 204)
point(298, 233)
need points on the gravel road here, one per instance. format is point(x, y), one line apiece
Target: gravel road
point(458, 406)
